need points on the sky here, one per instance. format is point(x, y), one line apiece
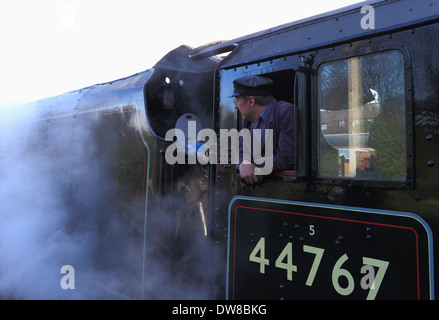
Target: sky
point(48, 47)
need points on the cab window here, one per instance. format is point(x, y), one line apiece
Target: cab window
point(362, 125)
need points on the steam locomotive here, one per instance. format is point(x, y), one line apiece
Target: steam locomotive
point(356, 218)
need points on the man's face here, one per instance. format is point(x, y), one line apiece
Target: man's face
point(244, 105)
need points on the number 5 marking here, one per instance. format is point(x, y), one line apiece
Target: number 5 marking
point(315, 265)
point(382, 268)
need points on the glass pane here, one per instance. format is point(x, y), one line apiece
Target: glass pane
point(362, 117)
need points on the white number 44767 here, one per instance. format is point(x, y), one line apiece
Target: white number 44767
point(285, 261)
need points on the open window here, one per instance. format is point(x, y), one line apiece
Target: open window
point(362, 118)
point(289, 86)
point(284, 90)
point(292, 86)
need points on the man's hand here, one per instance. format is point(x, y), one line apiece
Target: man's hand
point(247, 172)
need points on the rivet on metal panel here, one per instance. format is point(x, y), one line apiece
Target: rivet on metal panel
point(339, 240)
point(368, 230)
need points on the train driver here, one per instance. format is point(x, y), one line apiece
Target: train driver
point(254, 100)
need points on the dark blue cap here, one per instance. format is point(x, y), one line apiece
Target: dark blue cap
point(252, 86)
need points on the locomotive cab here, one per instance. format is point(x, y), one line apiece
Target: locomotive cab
point(290, 85)
point(359, 99)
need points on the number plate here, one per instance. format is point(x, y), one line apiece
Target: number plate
point(290, 250)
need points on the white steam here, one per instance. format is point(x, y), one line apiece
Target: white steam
point(47, 219)
point(57, 208)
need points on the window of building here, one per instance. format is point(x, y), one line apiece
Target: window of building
point(361, 105)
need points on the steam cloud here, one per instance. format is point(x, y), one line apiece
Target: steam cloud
point(55, 210)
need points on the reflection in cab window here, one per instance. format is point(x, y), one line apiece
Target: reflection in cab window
point(362, 117)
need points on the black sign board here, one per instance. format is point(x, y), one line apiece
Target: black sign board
point(292, 250)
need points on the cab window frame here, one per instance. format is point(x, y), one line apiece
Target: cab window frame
point(345, 52)
point(278, 68)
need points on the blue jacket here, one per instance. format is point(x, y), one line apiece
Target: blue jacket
point(281, 119)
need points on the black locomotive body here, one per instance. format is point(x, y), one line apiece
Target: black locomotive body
point(365, 156)
point(356, 218)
